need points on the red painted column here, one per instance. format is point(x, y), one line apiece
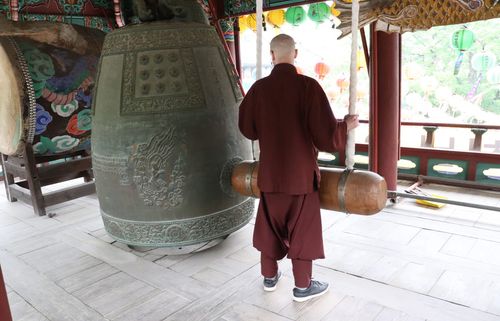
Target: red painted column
point(4, 303)
point(237, 52)
point(385, 104)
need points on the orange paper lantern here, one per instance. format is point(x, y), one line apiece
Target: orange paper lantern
point(343, 83)
point(321, 69)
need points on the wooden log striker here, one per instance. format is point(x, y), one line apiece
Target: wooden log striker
point(350, 191)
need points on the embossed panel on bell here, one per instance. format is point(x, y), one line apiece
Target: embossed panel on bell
point(165, 136)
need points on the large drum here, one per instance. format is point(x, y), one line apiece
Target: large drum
point(45, 95)
point(165, 134)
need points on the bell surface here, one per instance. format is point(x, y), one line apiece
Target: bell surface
point(165, 136)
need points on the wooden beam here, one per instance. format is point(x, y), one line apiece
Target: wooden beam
point(68, 194)
point(21, 193)
point(60, 169)
point(15, 169)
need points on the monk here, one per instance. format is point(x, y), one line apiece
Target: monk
point(289, 114)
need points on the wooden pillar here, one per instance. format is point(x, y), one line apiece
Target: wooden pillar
point(385, 104)
point(4, 302)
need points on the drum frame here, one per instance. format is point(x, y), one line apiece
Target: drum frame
point(28, 187)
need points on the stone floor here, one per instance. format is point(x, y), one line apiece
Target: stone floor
point(408, 263)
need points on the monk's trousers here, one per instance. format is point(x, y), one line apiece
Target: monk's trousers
point(289, 225)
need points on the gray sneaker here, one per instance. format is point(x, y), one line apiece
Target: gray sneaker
point(270, 283)
point(315, 289)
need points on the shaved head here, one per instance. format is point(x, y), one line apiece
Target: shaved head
point(283, 49)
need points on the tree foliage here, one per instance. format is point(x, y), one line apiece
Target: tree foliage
point(432, 51)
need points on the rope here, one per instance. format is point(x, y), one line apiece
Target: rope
point(258, 64)
point(117, 8)
point(259, 10)
point(351, 138)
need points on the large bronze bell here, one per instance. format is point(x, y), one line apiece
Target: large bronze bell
point(165, 134)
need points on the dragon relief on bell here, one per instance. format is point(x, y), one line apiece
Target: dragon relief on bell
point(159, 169)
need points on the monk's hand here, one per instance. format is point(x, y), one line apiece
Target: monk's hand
point(352, 121)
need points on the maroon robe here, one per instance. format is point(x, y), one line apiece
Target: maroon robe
point(289, 114)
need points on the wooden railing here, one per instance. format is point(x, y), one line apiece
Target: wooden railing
point(426, 160)
point(477, 129)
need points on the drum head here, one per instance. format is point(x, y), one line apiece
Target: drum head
point(11, 93)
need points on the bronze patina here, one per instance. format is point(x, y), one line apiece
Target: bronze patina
point(165, 133)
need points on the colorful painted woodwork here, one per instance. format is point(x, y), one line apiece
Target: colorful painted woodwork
point(46, 97)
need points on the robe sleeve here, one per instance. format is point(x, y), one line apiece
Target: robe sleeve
point(246, 120)
point(328, 133)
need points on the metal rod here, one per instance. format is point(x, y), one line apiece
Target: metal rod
point(450, 182)
point(393, 194)
point(465, 126)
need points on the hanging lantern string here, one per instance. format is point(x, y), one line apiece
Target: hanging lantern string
point(350, 146)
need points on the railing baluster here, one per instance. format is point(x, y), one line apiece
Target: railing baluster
point(429, 141)
point(478, 138)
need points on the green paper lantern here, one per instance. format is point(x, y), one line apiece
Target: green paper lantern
point(483, 61)
point(295, 15)
point(318, 12)
point(463, 39)
point(493, 75)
